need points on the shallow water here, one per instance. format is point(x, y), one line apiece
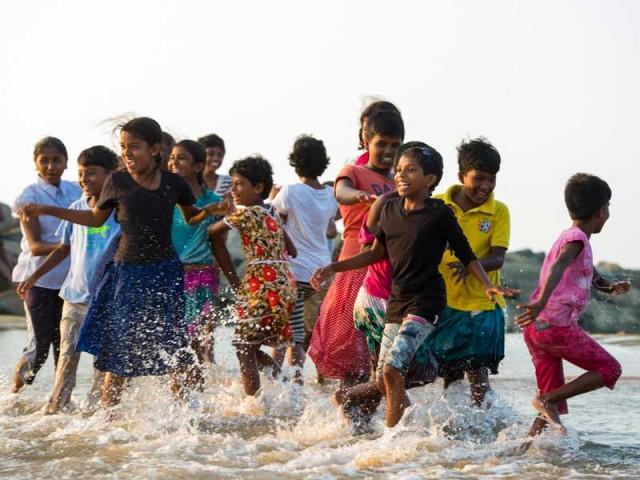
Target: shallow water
point(290, 432)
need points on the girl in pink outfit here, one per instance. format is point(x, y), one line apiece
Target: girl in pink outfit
point(550, 320)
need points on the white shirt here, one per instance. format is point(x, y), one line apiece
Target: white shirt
point(308, 212)
point(45, 193)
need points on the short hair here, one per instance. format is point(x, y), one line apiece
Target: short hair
point(428, 157)
point(585, 194)
point(309, 157)
point(478, 154)
point(212, 140)
point(383, 122)
point(49, 142)
point(256, 169)
point(146, 129)
point(100, 156)
point(378, 106)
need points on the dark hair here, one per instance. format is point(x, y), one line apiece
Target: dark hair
point(585, 194)
point(309, 157)
point(146, 129)
point(100, 156)
point(47, 142)
point(478, 154)
point(212, 140)
point(383, 122)
point(168, 139)
point(197, 152)
point(256, 169)
point(379, 106)
point(428, 157)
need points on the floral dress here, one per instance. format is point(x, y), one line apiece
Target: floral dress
point(267, 294)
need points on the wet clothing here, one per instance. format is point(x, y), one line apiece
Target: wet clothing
point(145, 216)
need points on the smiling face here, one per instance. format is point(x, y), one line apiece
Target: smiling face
point(477, 185)
point(51, 164)
point(182, 163)
point(215, 155)
point(243, 193)
point(411, 181)
point(382, 149)
point(138, 156)
point(91, 179)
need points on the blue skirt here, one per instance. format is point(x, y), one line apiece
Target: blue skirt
point(136, 320)
point(462, 341)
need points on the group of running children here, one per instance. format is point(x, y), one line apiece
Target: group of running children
point(127, 266)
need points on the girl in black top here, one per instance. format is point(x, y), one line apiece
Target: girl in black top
point(136, 320)
point(414, 231)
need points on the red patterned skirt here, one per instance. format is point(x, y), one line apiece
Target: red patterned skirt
point(337, 348)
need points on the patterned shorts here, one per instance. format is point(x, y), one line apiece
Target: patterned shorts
point(401, 341)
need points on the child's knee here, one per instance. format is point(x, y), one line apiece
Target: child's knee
point(391, 374)
point(611, 372)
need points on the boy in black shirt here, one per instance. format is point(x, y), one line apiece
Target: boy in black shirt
point(414, 231)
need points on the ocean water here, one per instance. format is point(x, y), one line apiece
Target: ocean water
point(291, 432)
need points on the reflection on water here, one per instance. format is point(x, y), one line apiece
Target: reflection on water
point(292, 432)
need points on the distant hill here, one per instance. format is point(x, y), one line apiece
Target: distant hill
point(605, 314)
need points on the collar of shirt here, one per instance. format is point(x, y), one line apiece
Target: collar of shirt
point(488, 207)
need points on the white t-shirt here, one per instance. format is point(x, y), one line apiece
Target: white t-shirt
point(308, 212)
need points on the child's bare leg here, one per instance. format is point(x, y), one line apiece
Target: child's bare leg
point(397, 400)
point(546, 403)
point(266, 361)
point(297, 357)
point(452, 377)
point(479, 383)
point(112, 389)
point(247, 356)
point(278, 354)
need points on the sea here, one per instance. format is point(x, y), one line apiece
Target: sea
point(296, 432)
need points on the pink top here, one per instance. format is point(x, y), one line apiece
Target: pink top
point(377, 281)
point(569, 299)
point(363, 159)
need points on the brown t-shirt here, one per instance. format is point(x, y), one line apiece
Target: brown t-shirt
point(145, 216)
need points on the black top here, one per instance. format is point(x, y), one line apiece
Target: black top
point(145, 215)
point(415, 241)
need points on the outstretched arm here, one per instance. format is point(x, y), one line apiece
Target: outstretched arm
point(347, 195)
point(491, 262)
point(37, 247)
point(363, 259)
point(53, 260)
point(90, 218)
point(194, 215)
point(217, 236)
point(568, 254)
point(604, 285)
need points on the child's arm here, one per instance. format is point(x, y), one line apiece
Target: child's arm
point(217, 233)
point(491, 262)
point(37, 247)
point(194, 215)
point(53, 260)
point(363, 259)
point(90, 218)
point(568, 254)
point(347, 195)
point(291, 248)
point(476, 269)
point(601, 284)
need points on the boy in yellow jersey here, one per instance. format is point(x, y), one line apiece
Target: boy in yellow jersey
point(470, 335)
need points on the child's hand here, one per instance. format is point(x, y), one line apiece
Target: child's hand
point(218, 209)
point(24, 286)
point(459, 271)
point(364, 197)
point(531, 312)
point(320, 276)
point(29, 211)
point(494, 291)
point(619, 288)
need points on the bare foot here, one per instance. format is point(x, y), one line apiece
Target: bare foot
point(18, 384)
point(549, 411)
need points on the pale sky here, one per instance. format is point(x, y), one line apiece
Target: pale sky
point(554, 85)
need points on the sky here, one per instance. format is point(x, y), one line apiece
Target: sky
point(552, 84)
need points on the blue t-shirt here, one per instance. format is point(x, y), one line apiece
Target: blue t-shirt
point(88, 245)
point(192, 241)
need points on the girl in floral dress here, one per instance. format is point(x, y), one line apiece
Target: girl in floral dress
point(267, 294)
